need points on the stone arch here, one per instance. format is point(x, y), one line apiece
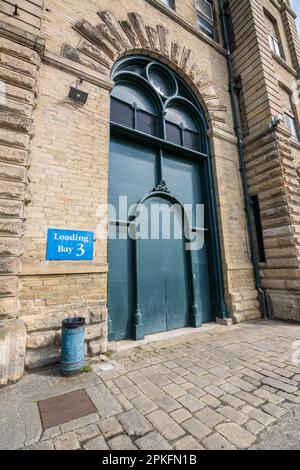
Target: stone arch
point(102, 45)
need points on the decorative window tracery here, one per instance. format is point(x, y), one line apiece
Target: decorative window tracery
point(148, 97)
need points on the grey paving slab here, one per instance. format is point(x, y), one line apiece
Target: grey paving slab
point(134, 423)
point(106, 404)
point(153, 441)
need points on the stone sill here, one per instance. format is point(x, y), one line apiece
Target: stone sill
point(52, 268)
point(283, 64)
point(182, 22)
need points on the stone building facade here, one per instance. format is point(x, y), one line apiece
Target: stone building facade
point(54, 153)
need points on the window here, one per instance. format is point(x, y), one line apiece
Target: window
point(182, 128)
point(205, 18)
point(169, 3)
point(291, 125)
point(151, 99)
point(132, 107)
point(258, 229)
point(288, 112)
point(273, 35)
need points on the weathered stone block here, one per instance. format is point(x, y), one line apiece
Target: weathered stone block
point(13, 155)
point(15, 138)
point(8, 307)
point(20, 94)
point(41, 358)
point(11, 190)
point(93, 331)
point(16, 78)
point(98, 314)
point(283, 305)
point(17, 350)
point(18, 65)
point(94, 348)
point(46, 322)
point(10, 247)
point(11, 208)
point(8, 285)
point(13, 172)
point(96, 37)
point(11, 227)
point(12, 350)
point(12, 121)
point(22, 52)
point(41, 340)
point(5, 335)
point(9, 266)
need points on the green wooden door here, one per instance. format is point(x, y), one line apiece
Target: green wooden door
point(163, 271)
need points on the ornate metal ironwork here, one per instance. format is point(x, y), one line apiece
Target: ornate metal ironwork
point(161, 187)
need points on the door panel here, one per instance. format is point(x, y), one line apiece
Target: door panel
point(177, 278)
point(132, 171)
point(183, 178)
point(164, 274)
point(131, 174)
point(163, 286)
point(121, 289)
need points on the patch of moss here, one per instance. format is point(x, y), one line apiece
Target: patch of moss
point(108, 354)
point(87, 368)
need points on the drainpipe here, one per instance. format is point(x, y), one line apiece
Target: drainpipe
point(237, 128)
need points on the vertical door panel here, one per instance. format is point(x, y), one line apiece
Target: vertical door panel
point(132, 171)
point(177, 276)
point(163, 282)
point(183, 177)
point(121, 289)
point(131, 174)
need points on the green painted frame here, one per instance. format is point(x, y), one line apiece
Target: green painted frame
point(204, 156)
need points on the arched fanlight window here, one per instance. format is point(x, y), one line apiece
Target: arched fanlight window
point(133, 107)
point(182, 127)
point(148, 97)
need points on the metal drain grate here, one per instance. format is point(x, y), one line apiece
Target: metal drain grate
point(64, 408)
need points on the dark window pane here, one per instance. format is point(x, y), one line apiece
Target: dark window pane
point(146, 123)
point(173, 133)
point(206, 27)
point(121, 113)
point(191, 140)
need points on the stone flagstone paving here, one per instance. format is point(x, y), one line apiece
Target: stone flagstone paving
point(223, 388)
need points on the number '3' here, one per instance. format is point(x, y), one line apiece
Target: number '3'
point(80, 249)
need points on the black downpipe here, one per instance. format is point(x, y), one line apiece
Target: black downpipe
point(237, 128)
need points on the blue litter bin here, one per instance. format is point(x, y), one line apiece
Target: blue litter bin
point(72, 346)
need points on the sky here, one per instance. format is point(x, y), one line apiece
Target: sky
point(296, 7)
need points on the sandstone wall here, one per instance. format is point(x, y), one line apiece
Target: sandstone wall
point(63, 181)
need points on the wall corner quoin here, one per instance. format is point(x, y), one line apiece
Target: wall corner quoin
point(20, 58)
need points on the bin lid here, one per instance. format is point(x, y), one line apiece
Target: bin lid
point(73, 322)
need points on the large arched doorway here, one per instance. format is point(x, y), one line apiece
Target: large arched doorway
point(159, 164)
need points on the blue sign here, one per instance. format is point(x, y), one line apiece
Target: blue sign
point(71, 245)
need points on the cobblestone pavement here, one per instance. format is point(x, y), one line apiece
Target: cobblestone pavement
point(223, 388)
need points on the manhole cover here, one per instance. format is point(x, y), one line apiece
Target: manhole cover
point(64, 408)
